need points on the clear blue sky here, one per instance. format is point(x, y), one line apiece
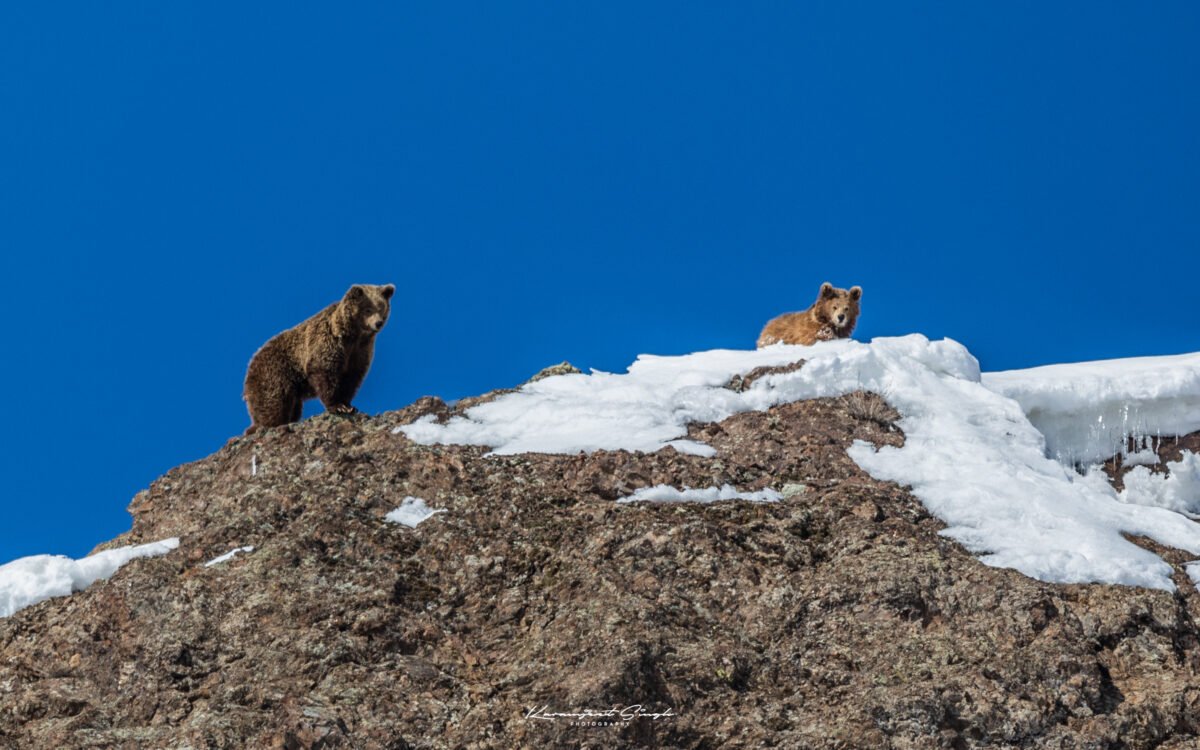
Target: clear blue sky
point(548, 181)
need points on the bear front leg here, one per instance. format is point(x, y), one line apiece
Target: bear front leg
point(358, 361)
point(325, 385)
point(348, 386)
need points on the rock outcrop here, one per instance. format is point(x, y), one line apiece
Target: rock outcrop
point(835, 618)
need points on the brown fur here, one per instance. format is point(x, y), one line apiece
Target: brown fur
point(326, 356)
point(820, 322)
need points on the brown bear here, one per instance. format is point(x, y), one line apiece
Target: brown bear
point(326, 356)
point(832, 316)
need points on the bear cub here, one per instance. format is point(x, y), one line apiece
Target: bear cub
point(326, 356)
point(832, 316)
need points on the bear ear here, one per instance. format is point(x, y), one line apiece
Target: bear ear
point(856, 292)
point(826, 290)
point(387, 290)
point(355, 292)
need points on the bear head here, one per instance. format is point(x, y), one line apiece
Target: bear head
point(838, 308)
point(365, 307)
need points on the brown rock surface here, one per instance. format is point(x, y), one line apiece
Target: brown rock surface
point(836, 618)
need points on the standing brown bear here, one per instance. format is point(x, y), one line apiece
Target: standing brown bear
point(326, 356)
point(832, 316)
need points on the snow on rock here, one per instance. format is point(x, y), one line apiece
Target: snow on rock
point(1088, 410)
point(29, 580)
point(1177, 490)
point(644, 410)
point(411, 512)
point(1144, 457)
point(665, 493)
point(1193, 571)
point(970, 454)
point(228, 556)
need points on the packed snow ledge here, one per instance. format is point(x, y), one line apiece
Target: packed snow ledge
point(971, 455)
point(1089, 410)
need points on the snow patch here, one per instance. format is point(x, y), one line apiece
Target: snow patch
point(29, 580)
point(971, 455)
point(665, 493)
point(227, 556)
point(411, 512)
point(1178, 490)
point(1089, 410)
point(1193, 571)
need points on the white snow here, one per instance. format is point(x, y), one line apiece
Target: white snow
point(665, 493)
point(1144, 457)
point(29, 580)
point(1088, 410)
point(228, 556)
point(1178, 489)
point(411, 512)
point(1193, 571)
point(970, 453)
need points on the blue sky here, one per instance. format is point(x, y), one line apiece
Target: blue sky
point(550, 181)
